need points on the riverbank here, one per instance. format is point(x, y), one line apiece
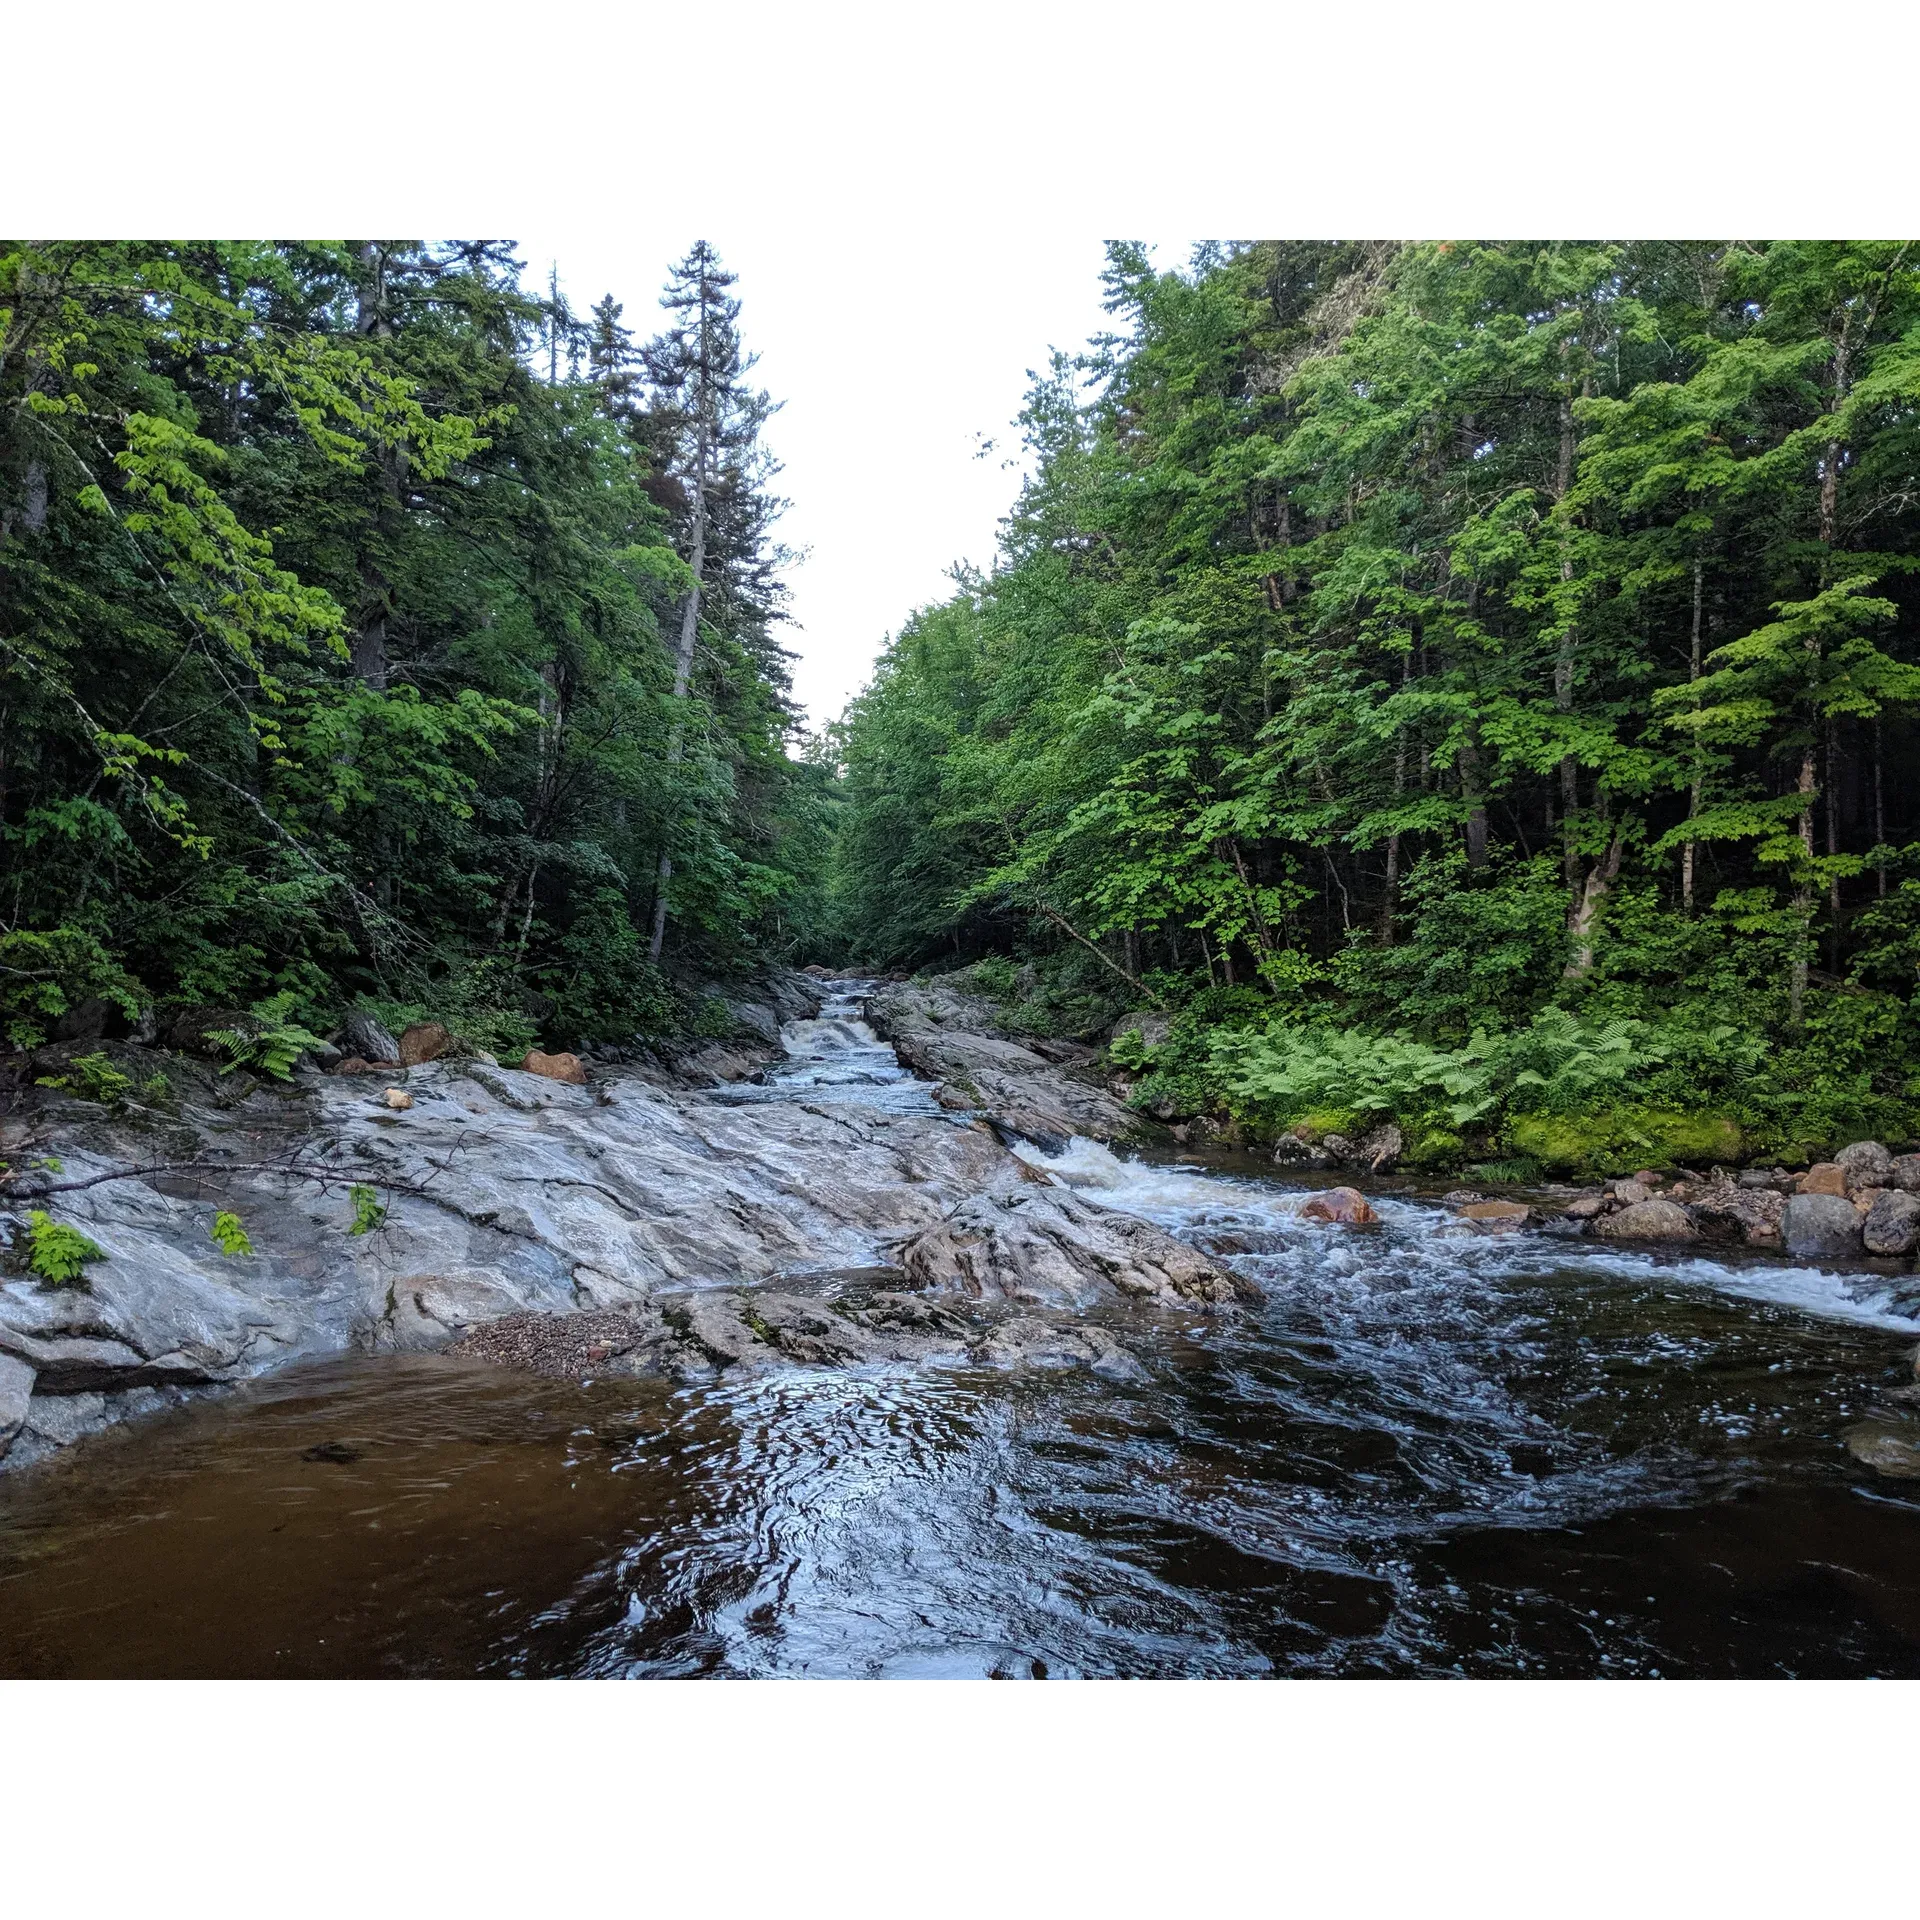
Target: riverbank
point(407, 1209)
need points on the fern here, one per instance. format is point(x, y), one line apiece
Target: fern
point(58, 1253)
point(272, 1044)
point(229, 1235)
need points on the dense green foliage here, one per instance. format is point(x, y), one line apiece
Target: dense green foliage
point(1475, 681)
point(340, 592)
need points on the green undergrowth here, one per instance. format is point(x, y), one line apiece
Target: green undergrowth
point(1562, 1093)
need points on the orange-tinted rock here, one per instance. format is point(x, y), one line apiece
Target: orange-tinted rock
point(1497, 1216)
point(423, 1041)
point(555, 1066)
point(1826, 1177)
point(1340, 1207)
point(399, 1101)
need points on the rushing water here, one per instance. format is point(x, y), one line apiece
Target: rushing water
point(1429, 1454)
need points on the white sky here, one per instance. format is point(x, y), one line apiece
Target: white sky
point(891, 359)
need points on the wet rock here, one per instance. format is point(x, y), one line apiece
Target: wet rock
point(1736, 1215)
point(1585, 1207)
point(324, 1055)
point(16, 1389)
point(1050, 1248)
point(1821, 1226)
point(1864, 1164)
point(1892, 1225)
point(1824, 1177)
point(1043, 1343)
point(1340, 1207)
point(1886, 1448)
point(947, 1035)
point(555, 1066)
point(1496, 1216)
point(1646, 1220)
point(423, 1041)
point(1461, 1197)
point(364, 1037)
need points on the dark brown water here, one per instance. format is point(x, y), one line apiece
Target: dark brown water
point(1427, 1456)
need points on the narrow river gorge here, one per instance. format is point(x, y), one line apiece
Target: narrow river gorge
point(1420, 1451)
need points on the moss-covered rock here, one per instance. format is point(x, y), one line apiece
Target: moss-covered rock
point(1619, 1139)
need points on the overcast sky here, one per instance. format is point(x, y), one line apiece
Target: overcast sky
point(891, 360)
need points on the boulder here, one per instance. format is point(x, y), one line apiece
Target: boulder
point(1586, 1207)
point(1381, 1148)
point(1633, 1189)
point(1340, 1207)
point(1337, 1147)
point(364, 1036)
point(1647, 1220)
point(1151, 1028)
point(555, 1066)
point(1821, 1226)
point(398, 1100)
point(1892, 1224)
point(1496, 1216)
point(1744, 1216)
point(1865, 1164)
point(1046, 1247)
point(87, 1020)
point(1905, 1172)
point(423, 1041)
point(1886, 1448)
point(1292, 1151)
point(324, 1055)
point(187, 1031)
point(1461, 1197)
point(1825, 1176)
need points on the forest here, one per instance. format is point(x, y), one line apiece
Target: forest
point(1466, 683)
point(376, 632)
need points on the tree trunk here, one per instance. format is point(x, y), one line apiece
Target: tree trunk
point(683, 665)
point(1802, 899)
point(1879, 811)
point(1583, 912)
point(1693, 792)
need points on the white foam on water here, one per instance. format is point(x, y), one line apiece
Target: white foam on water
point(1185, 1199)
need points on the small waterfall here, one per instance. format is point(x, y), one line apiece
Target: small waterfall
point(836, 1056)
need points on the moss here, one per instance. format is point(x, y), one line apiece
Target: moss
point(1315, 1126)
point(1432, 1148)
point(1621, 1139)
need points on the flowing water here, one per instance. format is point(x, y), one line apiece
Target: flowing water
point(1428, 1454)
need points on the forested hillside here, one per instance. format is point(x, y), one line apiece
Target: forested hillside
point(1472, 683)
point(374, 629)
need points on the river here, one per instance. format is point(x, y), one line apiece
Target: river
point(1428, 1454)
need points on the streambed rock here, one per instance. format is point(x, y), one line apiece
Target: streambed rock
point(1892, 1225)
point(1646, 1220)
point(947, 1036)
point(1047, 1247)
point(1821, 1226)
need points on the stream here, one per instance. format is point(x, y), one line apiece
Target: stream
point(1427, 1454)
